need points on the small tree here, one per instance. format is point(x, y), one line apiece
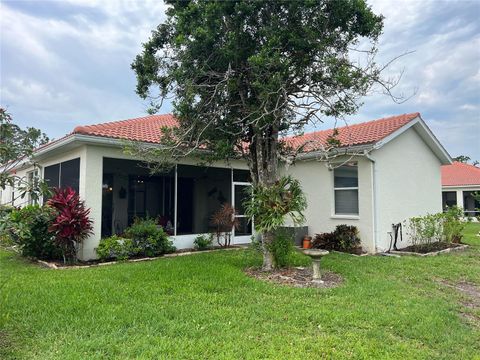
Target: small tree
point(17, 145)
point(72, 224)
point(270, 206)
point(243, 73)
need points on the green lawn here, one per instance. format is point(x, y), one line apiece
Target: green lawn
point(203, 306)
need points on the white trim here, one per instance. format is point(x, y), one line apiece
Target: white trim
point(451, 187)
point(345, 216)
point(334, 214)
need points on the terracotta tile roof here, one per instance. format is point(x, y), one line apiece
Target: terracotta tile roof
point(460, 174)
point(146, 129)
point(357, 134)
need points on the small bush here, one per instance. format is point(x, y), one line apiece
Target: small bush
point(28, 228)
point(453, 225)
point(343, 238)
point(203, 242)
point(72, 224)
point(148, 238)
point(115, 247)
point(347, 237)
point(324, 241)
point(282, 249)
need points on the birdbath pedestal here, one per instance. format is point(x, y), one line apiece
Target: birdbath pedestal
point(316, 255)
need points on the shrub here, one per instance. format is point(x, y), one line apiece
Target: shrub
point(453, 225)
point(224, 221)
point(282, 249)
point(115, 247)
point(28, 228)
point(203, 242)
point(343, 238)
point(148, 239)
point(427, 229)
point(346, 237)
point(324, 241)
point(71, 224)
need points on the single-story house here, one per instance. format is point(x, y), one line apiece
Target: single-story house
point(385, 172)
point(459, 182)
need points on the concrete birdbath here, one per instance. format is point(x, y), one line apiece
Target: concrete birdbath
point(316, 255)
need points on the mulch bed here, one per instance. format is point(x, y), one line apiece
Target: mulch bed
point(296, 277)
point(430, 249)
point(93, 263)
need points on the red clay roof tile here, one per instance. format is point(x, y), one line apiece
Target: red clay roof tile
point(148, 129)
point(459, 174)
point(358, 134)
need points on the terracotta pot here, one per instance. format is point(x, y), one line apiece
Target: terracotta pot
point(307, 242)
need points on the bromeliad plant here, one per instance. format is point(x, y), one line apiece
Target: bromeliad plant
point(270, 206)
point(71, 225)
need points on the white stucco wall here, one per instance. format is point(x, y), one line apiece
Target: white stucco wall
point(317, 183)
point(408, 182)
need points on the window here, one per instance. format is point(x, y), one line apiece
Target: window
point(346, 189)
point(32, 179)
point(449, 199)
point(65, 174)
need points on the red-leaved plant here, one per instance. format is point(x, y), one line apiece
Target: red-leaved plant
point(72, 224)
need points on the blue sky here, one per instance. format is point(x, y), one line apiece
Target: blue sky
point(67, 63)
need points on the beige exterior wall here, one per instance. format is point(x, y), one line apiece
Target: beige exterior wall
point(317, 183)
point(408, 183)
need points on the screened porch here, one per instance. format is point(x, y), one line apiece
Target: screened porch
point(181, 200)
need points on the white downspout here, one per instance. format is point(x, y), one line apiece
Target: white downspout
point(374, 200)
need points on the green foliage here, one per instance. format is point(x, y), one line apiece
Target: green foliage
point(115, 247)
point(347, 237)
point(203, 242)
point(453, 224)
point(343, 238)
point(425, 230)
point(447, 226)
point(282, 249)
point(271, 205)
point(28, 228)
point(16, 144)
point(239, 70)
point(148, 238)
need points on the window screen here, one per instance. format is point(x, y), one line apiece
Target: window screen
point(51, 176)
point(70, 174)
point(346, 189)
point(63, 175)
point(449, 199)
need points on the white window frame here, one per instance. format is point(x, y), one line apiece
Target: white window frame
point(35, 176)
point(352, 216)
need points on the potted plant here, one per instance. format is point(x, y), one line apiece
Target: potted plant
point(307, 242)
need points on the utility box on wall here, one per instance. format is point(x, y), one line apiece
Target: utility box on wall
point(297, 233)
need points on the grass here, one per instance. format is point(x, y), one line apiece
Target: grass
point(203, 306)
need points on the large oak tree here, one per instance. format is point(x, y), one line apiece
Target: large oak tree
point(242, 73)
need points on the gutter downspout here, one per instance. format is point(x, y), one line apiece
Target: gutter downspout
point(374, 200)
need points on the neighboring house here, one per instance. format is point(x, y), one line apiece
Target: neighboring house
point(459, 181)
point(386, 171)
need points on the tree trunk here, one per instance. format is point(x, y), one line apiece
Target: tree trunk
point(266, 144)
point(267, 239)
